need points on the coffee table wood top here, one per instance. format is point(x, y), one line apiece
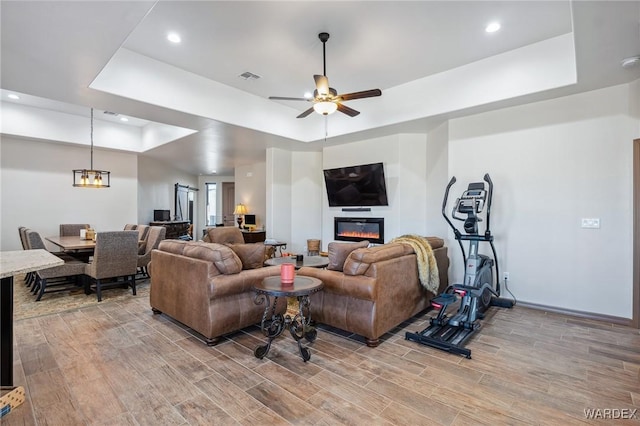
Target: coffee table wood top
point(311, 261)
point(301, 286)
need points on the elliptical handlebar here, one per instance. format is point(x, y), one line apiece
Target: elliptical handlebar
point(487, 179)
point(444, 206)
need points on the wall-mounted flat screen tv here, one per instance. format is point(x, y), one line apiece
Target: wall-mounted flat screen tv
point(356, 186)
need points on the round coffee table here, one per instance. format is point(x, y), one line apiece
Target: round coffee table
point(272, 324)
point(311, 261)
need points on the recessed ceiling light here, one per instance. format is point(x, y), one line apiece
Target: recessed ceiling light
point(631, 61)
point(174, 37)
point(492, 27)
point(13, 96)
point(308, 95)
point(124, 119)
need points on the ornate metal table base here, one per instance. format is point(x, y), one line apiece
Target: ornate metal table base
point(273, 325)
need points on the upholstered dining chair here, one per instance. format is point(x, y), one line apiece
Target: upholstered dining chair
point(64, 276)
point(155, 235)
point(30, 277)
point(60, 278)
point(130, 227)
point(72, 229)
point(115, 257)
point(143, 232)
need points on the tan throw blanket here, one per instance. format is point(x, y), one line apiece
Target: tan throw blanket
point(427, 267)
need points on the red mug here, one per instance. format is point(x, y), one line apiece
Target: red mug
point(287, 272)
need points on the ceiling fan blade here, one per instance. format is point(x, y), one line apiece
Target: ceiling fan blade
point(359, 95)
point(346, 110)
point(284, 98)
point(307, 112)
point(322, 84)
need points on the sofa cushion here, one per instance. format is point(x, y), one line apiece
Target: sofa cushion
point(222, 256)
point(338, 253)
point(251, 255)
point(173, 246)
point(359, 260)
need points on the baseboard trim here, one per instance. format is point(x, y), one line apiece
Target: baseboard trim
point(580, 314)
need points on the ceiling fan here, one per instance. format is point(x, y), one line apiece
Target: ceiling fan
point(326, 99)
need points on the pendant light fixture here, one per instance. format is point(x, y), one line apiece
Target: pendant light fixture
point(91, 178)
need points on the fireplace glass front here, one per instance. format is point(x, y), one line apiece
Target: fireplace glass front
point(359, 229)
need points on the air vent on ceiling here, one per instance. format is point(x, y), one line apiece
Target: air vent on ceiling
point(115, 114)
point(249, 76)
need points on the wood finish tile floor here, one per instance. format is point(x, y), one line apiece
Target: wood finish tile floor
point(118, 364)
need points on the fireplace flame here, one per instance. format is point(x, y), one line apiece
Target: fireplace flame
point(355, 234)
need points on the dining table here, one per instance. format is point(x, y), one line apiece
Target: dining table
point(69, 243)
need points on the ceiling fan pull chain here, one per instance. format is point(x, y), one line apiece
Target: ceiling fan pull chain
point(326, 128)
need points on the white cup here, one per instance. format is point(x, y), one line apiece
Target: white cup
point(83, 233)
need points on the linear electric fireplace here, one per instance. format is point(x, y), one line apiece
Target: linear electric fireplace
point(359, 229)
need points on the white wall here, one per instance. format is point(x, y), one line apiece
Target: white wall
point(278, 194)
point(307, 186)
point(251, 190)
point(36, 180)
point(409, 161)
point(156, 189)
point(553, 163)
point(634, 102)
point(436, 179)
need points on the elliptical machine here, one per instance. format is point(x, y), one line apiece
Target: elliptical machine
point(477, 292)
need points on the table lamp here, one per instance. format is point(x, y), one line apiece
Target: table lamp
point(240, 210)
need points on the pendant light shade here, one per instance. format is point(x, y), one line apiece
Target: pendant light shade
point(91, 178)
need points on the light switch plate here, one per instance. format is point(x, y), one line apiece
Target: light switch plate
point(593, 222)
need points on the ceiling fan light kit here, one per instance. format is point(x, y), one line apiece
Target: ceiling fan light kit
point(326, 100)
point(325, 108)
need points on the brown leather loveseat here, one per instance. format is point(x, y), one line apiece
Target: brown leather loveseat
point(209, 286)
point(376, 289)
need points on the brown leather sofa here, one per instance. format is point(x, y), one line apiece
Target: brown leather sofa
point(377, 289)
point(208, 286)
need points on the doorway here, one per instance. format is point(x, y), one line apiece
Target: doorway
point(228, 203)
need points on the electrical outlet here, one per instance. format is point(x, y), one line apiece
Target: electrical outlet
point(593, 223)
point(505, 276)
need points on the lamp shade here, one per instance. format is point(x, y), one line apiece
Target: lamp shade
point(240, 209)
point(325, 108)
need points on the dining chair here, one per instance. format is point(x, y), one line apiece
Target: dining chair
point(115, 256)
point(130, 227)
point(143, 232)
point(72, 229)
point(65, 277)
point(29, 277)
point(62, 275)
point(155, 235)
